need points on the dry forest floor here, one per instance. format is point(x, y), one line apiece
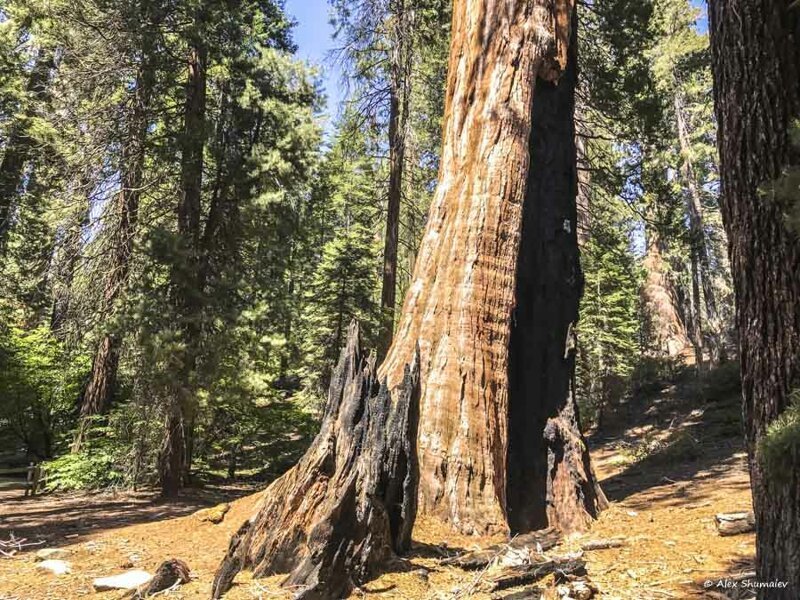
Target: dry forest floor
point(667, 465)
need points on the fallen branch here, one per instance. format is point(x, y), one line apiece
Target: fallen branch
point(527, 574)
point(604, 544)
point(533, 542)
point(11, 546)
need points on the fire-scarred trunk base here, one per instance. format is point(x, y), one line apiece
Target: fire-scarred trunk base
point(550, 480)
point(350, 503)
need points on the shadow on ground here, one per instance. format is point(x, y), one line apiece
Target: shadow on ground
point(60, 519)
point(666, 440)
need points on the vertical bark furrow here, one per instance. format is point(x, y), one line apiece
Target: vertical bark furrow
point(755, 48)
point(550, 481)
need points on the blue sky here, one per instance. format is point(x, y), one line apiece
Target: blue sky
point(313, 36)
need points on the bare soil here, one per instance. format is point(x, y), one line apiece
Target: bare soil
point(667, 466)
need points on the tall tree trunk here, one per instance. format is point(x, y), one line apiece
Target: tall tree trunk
point(703, 296)
point(19, 144)
point(174, 460)
point(465, 285)
point(584, 193)
point(667, 329)
point(755, 48)
point(68, 248)
point(399, 100)
point(99, 390)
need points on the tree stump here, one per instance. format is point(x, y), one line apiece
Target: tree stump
point(349, 504)
point(169, 573)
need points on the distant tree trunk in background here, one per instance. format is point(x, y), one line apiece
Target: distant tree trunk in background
point(584, 220)
point(399, 100)
point(756, 63)
point(19, 144)
point(68, 249)
point(500, 242)
point(666, 327)
point(99, 390)
point(178, 427)
point(703, 297)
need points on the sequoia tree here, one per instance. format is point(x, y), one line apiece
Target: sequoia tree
point(486, 331)
point(756, 63)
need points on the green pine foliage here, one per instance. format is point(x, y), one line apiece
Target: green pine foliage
point(609, 329)
point(345, 283)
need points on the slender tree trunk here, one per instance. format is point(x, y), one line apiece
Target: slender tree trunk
point(465, 285)
point(68, 249)
point(99, 390)
point(703, 296)
point(180, 410)
point(19, 144)
point(755, 48)
point(399, 100)
point(584, 194)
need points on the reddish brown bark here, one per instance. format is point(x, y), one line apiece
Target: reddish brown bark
point(666, 327)
point(459, 304)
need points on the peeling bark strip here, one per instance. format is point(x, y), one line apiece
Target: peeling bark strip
point(460, 301)
point(350, 503)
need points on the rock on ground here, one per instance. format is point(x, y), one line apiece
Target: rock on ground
point(56, 567)
point(52, 554)
point(130, 580)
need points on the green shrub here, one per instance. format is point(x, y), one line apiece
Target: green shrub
point(781, 442)
point(92, 468)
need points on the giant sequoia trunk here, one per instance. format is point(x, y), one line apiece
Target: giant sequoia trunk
point(666, 327)
point(756, 62)
point(486, 330)
point(504, 211)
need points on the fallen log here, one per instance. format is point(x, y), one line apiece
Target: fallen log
point(604, 544)
point(349, 505)
point(527, 574)
point(735, 523)
point(169, 573)
point(534, 542)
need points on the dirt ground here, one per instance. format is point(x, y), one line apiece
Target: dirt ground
point(667, 469)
